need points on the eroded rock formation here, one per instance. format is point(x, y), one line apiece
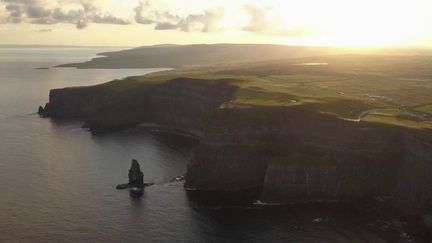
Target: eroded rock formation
point(136, 176)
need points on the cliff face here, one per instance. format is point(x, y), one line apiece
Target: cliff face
point(286, 154)
point(182, 104)
point(75, 102)
point(302, 178)
point(185, 104)
point(294, 154)
point(413, 188)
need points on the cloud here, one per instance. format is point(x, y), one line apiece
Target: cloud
point(82, 13)
point(145, 14)
point(258, 19)
point(164, 20)
point(3, 15)
point(261, 22)
point(39, 12)
point(205, 22)
point(295, 31)
point(165, 26)
point(85, 12)
point(44, 30)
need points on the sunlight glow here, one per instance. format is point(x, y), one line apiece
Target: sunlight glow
point(358, 23)
point(345, 23)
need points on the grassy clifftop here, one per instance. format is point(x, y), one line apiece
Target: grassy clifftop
point(394, 90)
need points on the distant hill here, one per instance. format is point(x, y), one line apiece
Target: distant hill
point(56, 46)
point(181, 55)
point(168, 55)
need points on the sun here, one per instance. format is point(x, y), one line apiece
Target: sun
point(358, 23)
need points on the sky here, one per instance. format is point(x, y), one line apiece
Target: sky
point(347, 23)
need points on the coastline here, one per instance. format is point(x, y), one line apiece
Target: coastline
point(175, 106)
point(278, 150)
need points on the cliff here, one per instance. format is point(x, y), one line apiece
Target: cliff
point(181, 104)
point(285, 154)
point(289, 153)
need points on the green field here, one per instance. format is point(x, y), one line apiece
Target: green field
point(425, 109)
point(349, 85)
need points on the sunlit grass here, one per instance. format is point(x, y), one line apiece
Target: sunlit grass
point(425, 109)
point(347, 87)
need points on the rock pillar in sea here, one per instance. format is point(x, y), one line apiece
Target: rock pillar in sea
point(136, 176)
point(41, 110)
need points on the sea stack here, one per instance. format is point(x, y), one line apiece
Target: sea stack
point(40, 110)
point(136, 176)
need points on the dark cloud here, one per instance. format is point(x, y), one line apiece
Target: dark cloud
point(36, 12)
point(15, 13)
point(165, 26)
point(206, 22)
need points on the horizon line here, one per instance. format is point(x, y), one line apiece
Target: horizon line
point(171, 44)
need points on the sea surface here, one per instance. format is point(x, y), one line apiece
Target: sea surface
point(57, 180)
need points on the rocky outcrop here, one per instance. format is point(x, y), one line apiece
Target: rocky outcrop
point(41, 111)
point(136, 176)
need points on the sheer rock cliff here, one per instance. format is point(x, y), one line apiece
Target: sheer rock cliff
point(286, 154)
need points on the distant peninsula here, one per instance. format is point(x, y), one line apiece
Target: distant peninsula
point(174, 56)
point(182, 55)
